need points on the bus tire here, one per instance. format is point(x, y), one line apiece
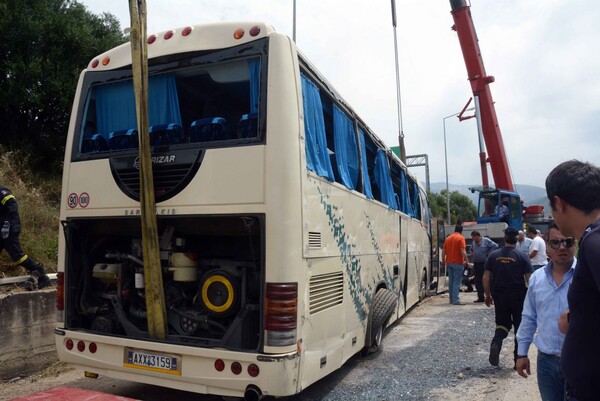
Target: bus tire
point(382, 307)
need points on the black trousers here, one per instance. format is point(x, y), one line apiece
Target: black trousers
point(14, 249)
point(478, 270)
point(509, 307)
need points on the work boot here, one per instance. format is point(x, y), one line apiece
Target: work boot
point(495, 353)
point(39, 273)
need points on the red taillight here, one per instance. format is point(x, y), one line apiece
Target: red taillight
point(236, 368)
point(253, 370)
point(60, 290)
point(168, 35)
point(151, 39)
point(255, 30)
point(276, 322)
point(69, 344)
point(93, 348)
point(219, 365)
point(95, 63)
point(239, 33)
point(281, 306)
point(282, 290)
point(80, 346)
point(186, 31)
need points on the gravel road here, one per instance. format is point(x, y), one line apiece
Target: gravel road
point(437, 352)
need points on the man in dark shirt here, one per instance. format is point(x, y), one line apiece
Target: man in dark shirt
point(573, 188)
point(10, 224)
point(506, 272)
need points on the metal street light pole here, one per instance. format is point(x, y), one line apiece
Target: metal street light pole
point(294, 23)
point(446, 163)
point(459, 114)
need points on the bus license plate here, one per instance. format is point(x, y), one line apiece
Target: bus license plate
point(156, 362)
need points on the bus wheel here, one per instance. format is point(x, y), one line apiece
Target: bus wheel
point(382, 307)
point(423, 286)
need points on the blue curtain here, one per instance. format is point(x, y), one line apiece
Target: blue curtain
point(384, 180)
point(416, 203)
point(317, 155)
point(365, 171)
point(115, 104)
point(163, 102)
point(346, 153)
point(405, 202)
point(254, 67)
point(115, 107)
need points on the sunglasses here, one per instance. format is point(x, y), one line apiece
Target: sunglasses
point(556, 243)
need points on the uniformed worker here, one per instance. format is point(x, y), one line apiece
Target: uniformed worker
point(506, 272)
point(10, 226)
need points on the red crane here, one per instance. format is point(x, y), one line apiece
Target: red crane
point(484, 104)
point(489, 131)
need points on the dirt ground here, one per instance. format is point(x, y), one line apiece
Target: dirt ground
point(427, 356)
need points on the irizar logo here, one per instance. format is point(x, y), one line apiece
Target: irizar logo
point(165, 159)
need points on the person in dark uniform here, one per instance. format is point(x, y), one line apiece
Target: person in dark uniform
point(10, 228)
point(506, 272)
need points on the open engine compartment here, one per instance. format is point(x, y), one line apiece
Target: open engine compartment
point(212, 271)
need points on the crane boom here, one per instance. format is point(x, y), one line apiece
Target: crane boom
point(464, 27)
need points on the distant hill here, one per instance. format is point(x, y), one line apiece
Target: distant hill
point(532, 195)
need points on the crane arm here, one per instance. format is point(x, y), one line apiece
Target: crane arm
point(464, 27)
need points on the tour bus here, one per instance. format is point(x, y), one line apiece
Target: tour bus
point(290, 235)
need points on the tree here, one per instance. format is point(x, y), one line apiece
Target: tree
point(45, 44)
point(461, 207)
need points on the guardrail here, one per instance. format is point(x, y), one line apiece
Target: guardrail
point(21, 279)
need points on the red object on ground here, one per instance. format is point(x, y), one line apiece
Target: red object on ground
point(71, 394)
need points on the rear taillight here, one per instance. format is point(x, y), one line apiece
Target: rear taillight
point(281, 313)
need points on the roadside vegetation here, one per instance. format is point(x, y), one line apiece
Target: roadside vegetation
point(38, 198)
point(46, 45)
point(461, 207)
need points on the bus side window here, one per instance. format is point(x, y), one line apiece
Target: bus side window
point(364, 169)
point(315, 141)
point(413, 190)
point(328, 120)
point(396, 172)
point(371, 153)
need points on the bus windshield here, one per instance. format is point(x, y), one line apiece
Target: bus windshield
point(208, 104)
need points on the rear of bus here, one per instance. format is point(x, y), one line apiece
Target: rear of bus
point(228, 212)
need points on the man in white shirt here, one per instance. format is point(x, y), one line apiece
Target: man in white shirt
point(523, 243)
point(537, 249)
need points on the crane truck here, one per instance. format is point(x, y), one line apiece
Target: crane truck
point(498, 206)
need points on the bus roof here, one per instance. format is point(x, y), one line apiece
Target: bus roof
point(185, 39)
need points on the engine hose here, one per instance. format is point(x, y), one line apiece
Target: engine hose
point(137, 313)
point(121, 256)
point(200, 320)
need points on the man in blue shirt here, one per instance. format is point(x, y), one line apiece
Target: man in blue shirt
point(546, 299)
point(480, 250)
point(502, 211)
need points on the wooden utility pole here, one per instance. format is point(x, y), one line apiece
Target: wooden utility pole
point(155, 298)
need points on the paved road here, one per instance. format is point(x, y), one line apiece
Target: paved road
point(437, 352)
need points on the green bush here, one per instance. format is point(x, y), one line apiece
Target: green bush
point(38, 198)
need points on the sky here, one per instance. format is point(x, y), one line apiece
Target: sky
point(544, 56)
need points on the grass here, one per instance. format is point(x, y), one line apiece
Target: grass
point(39, 199)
